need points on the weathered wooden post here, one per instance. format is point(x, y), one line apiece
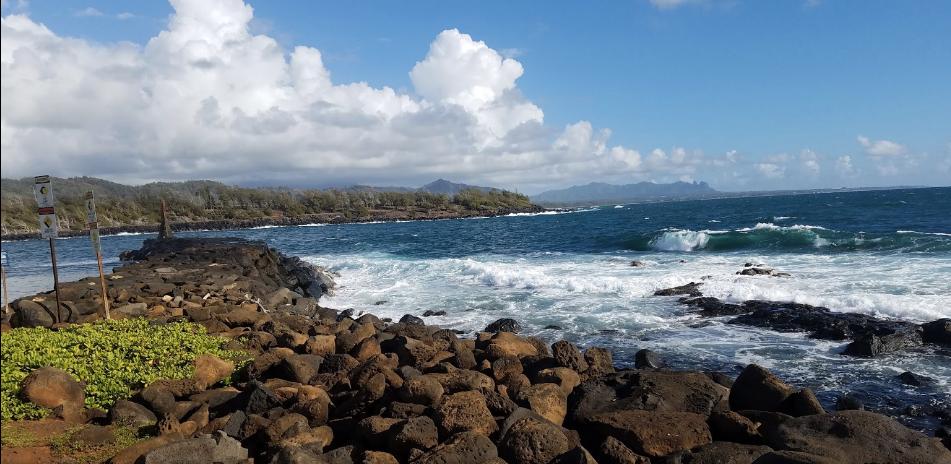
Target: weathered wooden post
point(49, 227)
point(165, 230)
point(93, 223)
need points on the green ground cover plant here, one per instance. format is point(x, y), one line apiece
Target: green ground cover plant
point(113, 358)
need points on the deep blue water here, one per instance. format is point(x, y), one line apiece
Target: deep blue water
point(886, 253)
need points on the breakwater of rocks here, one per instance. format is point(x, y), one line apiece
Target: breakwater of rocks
point(336, 387)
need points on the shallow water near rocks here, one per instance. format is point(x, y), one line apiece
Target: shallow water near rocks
point(885, 253)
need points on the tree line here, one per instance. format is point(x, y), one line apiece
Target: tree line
point(123, 205)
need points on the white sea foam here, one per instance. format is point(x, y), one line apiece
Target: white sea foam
point(680, 240)
point(783, 218)
point(618, 206)
point(943, 234)
point(270, 226)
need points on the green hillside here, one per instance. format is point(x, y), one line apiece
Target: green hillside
point(191, 201)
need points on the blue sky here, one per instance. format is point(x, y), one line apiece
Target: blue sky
point(766, 80)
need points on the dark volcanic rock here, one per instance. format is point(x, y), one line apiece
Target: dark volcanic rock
point(758, 389)
point(647, 359)
point(461, 448)
point(937, 331)
point(504, 325)
point(885, 340)
point(691, 289)
point(910, 378)
point(651, 433)
point(857, 437)
point(410, 319)
point(713, 307)
point(531, 440)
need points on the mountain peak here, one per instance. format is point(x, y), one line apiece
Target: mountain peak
point(599, 192)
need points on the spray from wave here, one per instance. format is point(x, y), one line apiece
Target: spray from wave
point(793, 238)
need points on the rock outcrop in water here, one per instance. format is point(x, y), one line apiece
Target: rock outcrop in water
point(325, 387)
point(870, 336)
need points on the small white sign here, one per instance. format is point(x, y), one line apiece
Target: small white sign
point(49, 228)
point(43, 192)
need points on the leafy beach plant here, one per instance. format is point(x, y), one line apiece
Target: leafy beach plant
point(113, 358)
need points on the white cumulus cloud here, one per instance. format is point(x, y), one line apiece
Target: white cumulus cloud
point(208, 98)
point(881, 147)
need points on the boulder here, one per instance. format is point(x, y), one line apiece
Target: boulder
point(691, 289)
point(732, 426)
point(651, 433)
point(415, 433)
point(414, 352)
point(424, 389)
point(533, 441)
point(410, 319)
point(464, 411)
point(132, 414)
point(793, 457)
point(507, 344)
point(916, 380)
point(546, 399)
point(599, 361)
point(647, 359)
point(504, 367)
point(50, 387)
point(302, 368)
point(724, 453)
point(568, 355)
point(378, 457)
point(31, 314)
point(564, 377)
point(612, 451)
point(937, 331)
point(461, 448)
point(218, 448)
point(757, 388)
point(856, 437)
point(374, 431)
point(210, 370)
point(801, 403)
point(321, 345)
point(504, 325)
point(873, 344)
point(281, 296)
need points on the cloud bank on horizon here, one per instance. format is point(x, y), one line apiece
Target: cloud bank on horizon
point(207, 98)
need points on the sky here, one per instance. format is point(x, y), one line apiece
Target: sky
point(742, 94)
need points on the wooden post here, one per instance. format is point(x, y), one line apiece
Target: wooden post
point(102, 285)
point(92, 222)
point(6, 294)
point(49, 227)
point(59, 313)
point(165, 232)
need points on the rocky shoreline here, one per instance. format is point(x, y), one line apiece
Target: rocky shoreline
point(336, 387)
point(237, 224)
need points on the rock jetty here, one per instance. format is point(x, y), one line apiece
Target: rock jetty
point(333, 387)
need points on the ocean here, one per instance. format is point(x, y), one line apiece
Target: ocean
point(884, 253)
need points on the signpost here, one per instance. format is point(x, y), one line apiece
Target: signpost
point(49, 228)
point(93, 224)
point(3, 277)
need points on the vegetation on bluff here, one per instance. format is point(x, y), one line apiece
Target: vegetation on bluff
point(122, 205)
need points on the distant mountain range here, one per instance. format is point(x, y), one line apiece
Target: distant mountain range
point(601, 193)
point(442, 186)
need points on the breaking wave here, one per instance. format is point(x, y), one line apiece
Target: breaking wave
point(799, 237)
